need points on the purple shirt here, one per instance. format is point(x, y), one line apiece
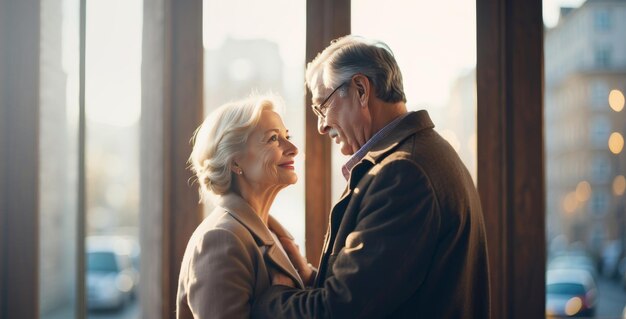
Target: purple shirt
point(358, 156)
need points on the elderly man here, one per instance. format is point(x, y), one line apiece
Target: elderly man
point(407, 238)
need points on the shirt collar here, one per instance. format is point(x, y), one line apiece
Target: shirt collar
point(380, 135)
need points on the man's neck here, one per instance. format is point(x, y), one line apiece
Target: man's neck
point(384, 113)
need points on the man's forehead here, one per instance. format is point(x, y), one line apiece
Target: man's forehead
point(318, 88)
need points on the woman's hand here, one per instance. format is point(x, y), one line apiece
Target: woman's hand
point(298, 261)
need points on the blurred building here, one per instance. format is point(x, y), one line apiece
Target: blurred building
point(236, 68)
point(458, 119)
point(585, 79)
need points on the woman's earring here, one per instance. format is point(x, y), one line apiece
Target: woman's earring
point(239, 171)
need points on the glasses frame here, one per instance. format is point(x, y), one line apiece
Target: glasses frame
point(320, 109)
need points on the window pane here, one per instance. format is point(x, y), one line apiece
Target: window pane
point(259, 46)
point(585, 81)
point(113, 110)
point(435, 46)
point(58, 164)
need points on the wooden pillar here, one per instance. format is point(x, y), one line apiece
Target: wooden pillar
point(19, 159)
point(510, 153)
point(326, 20)
point(172, 83)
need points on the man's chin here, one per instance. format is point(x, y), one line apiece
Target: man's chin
point(346, 149)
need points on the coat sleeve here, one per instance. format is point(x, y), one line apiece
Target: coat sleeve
point(220, 277)
point(385, 259)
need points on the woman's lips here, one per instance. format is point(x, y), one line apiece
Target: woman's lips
point(287, 165)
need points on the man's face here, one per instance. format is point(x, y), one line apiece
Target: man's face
point(343, 117)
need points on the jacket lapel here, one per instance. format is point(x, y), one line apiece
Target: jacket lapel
point(275, 254)
point(240, 210)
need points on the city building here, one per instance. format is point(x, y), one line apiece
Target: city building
point(585, 81)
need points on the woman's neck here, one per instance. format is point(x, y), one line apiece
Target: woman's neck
point(259, 198)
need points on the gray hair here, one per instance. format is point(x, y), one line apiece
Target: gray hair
point(349, 55)
point(222, 136)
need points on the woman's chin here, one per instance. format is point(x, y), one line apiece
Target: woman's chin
point(290, 180)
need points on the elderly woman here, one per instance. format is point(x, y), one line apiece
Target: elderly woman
point(242, 158)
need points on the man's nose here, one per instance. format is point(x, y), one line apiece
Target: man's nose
point(322, 128)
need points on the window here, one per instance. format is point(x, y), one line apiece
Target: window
point(600, 168)
point(113, 111)
point(602, 57)
point(58, 160)
point(491, 53)
point(437, 64)
point(600, 203)
point(602, 20)
point(600, 128)
point(240, 59)
point(599, 93)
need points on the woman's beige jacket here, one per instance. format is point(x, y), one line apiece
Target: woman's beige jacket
point(228, 262)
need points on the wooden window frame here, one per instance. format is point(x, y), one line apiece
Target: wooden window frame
point(510, 148)
point(511, 182)
point(19, 162)
point(326, 20)
point(172, 107)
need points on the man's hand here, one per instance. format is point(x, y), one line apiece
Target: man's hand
point(298, 261)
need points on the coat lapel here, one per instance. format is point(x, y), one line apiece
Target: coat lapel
point(276, 255)
point(240, 210)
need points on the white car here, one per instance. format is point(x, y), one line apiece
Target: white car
point(570, 293)
point(111, 277)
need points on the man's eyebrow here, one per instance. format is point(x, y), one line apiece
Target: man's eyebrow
point(316, 100)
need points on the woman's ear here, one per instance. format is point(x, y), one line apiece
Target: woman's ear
point(234, 167)
point(363, 87)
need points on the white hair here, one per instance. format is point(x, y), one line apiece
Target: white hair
point(222, 136)
point(350, 55)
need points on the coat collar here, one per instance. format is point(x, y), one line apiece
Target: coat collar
point(245, 214)
point(409, 125)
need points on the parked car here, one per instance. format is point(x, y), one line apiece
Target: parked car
point(570, 293)
point(111, 277)
point(577, 260)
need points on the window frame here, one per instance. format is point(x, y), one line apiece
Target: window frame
point(510, 148)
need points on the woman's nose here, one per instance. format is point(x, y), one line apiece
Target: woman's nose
point(290, 148)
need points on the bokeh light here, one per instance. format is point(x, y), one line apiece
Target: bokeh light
point(616, 100)
point(619, 185)
point(616, 142)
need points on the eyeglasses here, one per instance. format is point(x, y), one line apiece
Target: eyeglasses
point(320, 109)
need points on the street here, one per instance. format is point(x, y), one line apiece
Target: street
point(131, 311)
point(611, 299)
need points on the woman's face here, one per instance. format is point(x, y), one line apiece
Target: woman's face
point(268, 158)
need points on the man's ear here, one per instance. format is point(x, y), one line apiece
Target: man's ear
point(363, 87)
